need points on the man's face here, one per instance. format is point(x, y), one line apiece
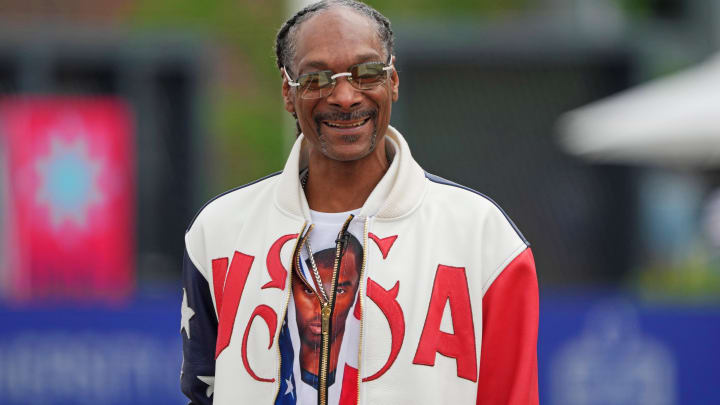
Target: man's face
point(336, 39)
point(307, 306)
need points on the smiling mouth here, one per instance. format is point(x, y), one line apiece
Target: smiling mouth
point(346, 124)
point(345, 121)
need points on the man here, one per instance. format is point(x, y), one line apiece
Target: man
point(446, 308)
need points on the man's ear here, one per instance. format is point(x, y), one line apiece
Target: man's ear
point(394, 82)
point(286, 93)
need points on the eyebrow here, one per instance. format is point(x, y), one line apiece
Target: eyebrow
point(345, 284)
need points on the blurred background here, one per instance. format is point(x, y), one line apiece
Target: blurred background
point(594, 123)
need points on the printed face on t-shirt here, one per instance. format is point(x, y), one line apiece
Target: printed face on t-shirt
point(307, 305)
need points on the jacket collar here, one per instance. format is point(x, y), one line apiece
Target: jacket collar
point(398, 192)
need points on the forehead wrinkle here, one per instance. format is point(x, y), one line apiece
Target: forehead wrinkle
point(347, 53)
point(318, 64)
point(339, 26)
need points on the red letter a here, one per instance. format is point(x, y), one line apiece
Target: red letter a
point(450, 286)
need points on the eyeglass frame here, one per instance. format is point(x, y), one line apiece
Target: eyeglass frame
point(333, 82)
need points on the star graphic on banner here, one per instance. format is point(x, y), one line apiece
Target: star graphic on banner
point(69, 179)
point(290, 387)
point(210, 381)
point(186, 313)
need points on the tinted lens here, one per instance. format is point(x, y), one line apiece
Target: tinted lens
point(368, 75)
point(315, 80)
point(316, 84)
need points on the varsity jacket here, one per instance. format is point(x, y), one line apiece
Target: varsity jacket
point(448, 296)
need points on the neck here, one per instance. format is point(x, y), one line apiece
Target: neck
point(335, 186)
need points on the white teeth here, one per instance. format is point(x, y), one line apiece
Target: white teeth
point(336, 125)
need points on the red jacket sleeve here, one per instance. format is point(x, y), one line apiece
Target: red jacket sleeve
point(508, 359)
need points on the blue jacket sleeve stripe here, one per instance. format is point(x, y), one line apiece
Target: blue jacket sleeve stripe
point(198, 336)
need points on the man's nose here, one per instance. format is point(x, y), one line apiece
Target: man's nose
point(344, 95)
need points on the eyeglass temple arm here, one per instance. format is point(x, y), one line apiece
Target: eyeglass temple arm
point(290, 81)
point(389, 63)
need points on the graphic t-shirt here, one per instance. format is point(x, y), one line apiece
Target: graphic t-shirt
point(300, 338)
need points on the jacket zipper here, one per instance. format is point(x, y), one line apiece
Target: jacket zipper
point(326, 306)
point(284, 314)
point(361, 302)
point(326, 315)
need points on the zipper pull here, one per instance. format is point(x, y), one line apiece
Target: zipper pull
point(325, 315)
point(343, 240)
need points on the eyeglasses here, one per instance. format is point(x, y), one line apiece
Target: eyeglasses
point(363, 76)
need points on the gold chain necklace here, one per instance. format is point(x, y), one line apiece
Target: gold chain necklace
point(315, 271)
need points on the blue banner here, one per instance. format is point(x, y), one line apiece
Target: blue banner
point(611, 349)
point(91, 355)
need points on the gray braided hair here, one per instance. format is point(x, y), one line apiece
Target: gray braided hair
point(285, 40)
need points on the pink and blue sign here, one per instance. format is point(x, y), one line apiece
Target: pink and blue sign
point(68, 199)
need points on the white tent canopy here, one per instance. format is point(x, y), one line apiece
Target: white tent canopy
point(672, 121)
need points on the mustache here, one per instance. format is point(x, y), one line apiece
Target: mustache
point(345, 116)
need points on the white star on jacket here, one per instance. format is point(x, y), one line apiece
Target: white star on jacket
point(210, 381)
point(186, 313)
point(290, 387)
